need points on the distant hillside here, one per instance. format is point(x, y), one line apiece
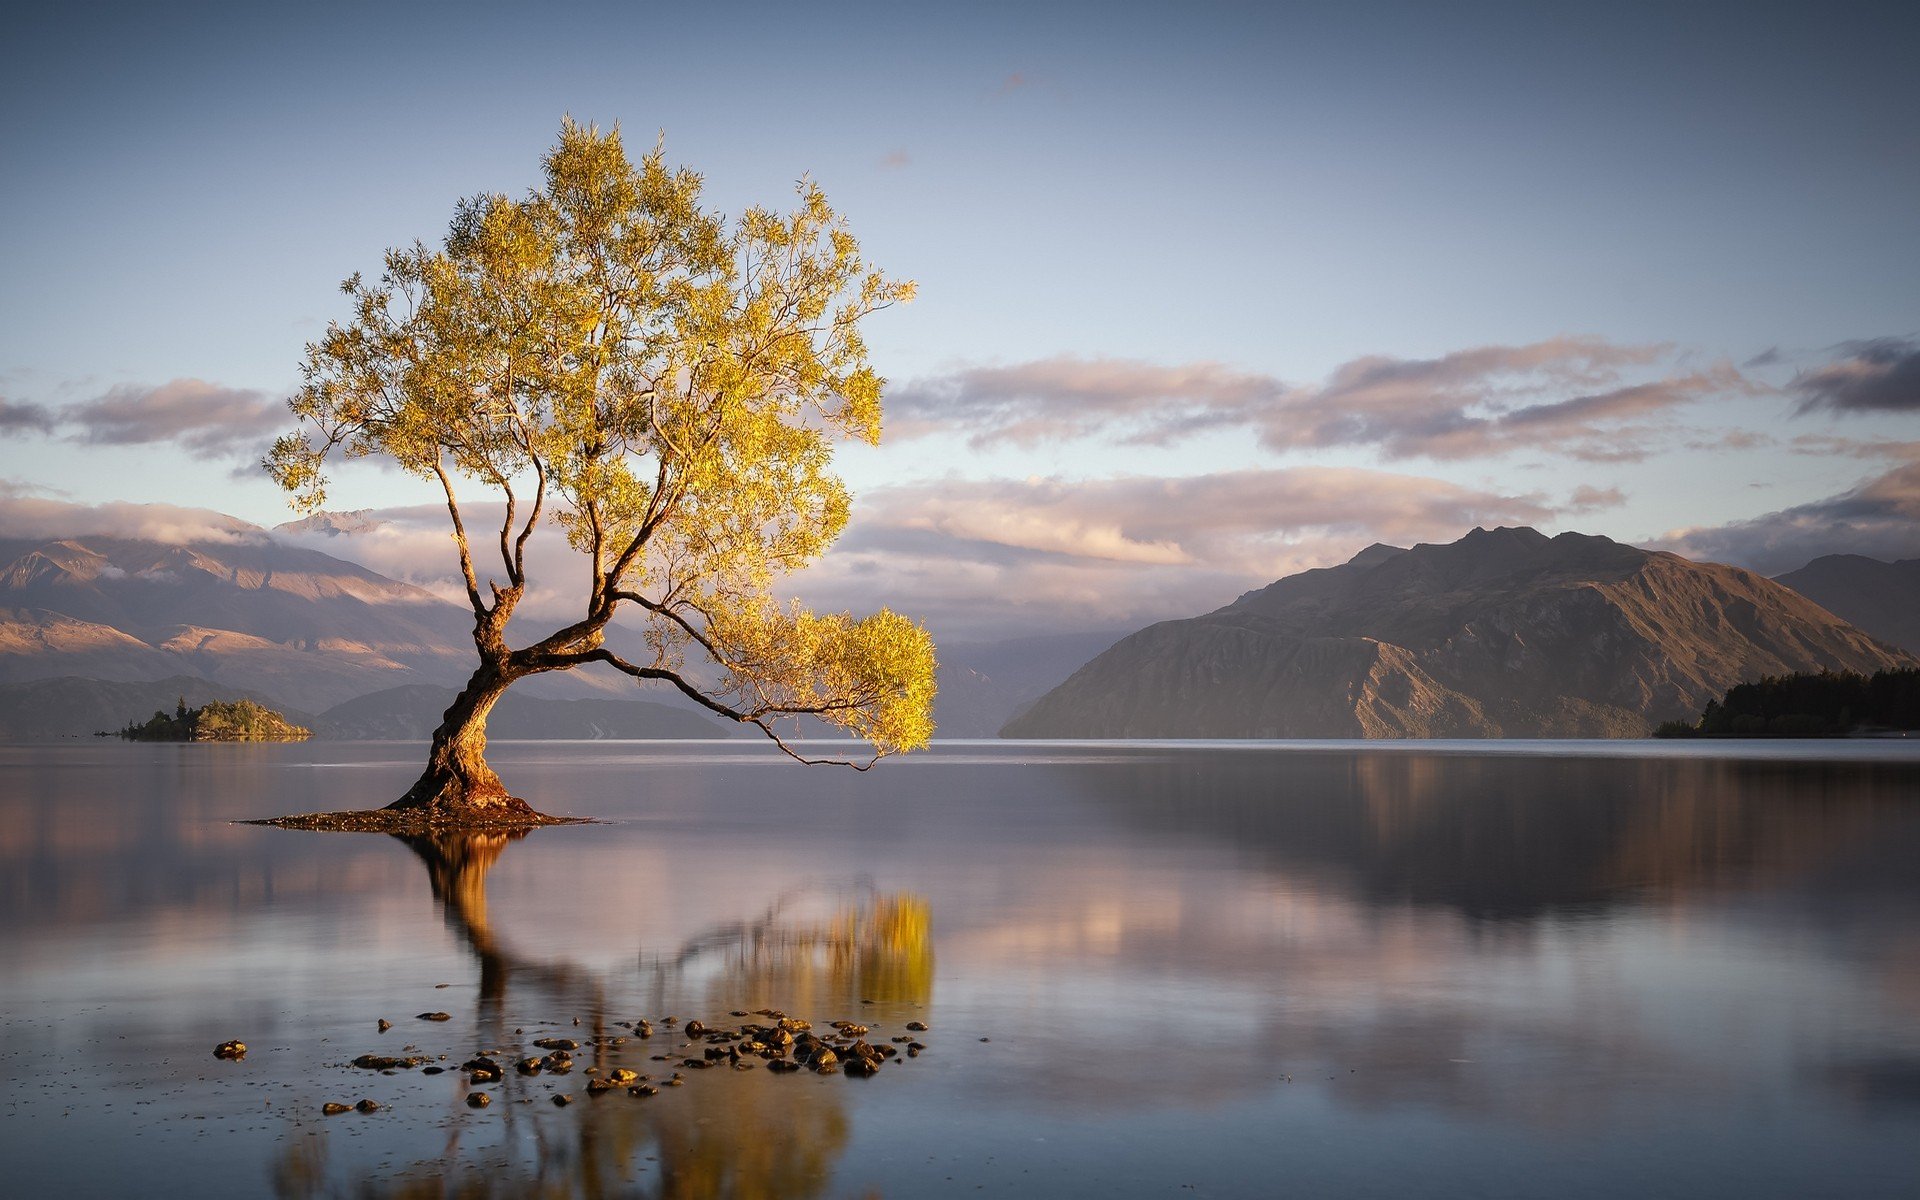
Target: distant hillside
point(1504, 633)
point(1882, 598)
point(247, 614)
point(251, 614)
point(412, 712)
point(983, 685)
point(52, 709)
point(47, 709)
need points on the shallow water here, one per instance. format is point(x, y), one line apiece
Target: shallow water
point(1435, 969)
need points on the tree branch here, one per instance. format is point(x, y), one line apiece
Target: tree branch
point(755, 717)
point(460, 538)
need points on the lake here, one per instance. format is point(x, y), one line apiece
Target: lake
point(1443, 969)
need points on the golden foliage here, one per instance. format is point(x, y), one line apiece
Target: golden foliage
point(669, 386)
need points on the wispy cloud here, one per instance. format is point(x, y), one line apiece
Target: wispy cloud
point(204, 419)
point(24, 418)
point(895, 160)
point(1879, 375)
point(1068, 397)
point(1582, 397)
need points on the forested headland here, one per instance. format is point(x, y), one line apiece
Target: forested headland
point(1829, 704)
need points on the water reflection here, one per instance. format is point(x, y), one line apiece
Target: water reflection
point(1510, 837)
point(1633, 975)
point(457, 864)
point(721, 1133)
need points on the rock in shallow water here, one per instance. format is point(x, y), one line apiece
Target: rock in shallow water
point(232, 1051)
point(387, 1062)
point(334, 1108)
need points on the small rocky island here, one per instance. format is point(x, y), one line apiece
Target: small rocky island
point(217, 721)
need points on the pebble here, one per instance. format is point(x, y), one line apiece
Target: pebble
point(917, 1026)
point(334, 1108)
point(232, 1051)
point(384, 1062)
point(436, 1016)
point(556, 1043)
point(478, 1099)
point(561, 1100)
point(481, 1070)
point(367, 1106)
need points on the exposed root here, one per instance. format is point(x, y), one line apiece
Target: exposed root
point(414, 822)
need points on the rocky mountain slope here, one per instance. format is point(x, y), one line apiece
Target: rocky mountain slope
point(1882, 598)
point(250, 614)
point(1504, 633)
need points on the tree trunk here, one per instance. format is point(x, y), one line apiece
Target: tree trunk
point(458, 784)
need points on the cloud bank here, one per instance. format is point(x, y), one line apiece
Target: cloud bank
point(1880, 519)
point(1583, 397)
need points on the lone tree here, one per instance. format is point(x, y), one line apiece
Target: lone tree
point(667, 387)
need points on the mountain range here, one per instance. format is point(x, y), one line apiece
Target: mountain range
point(1882, 598)
point(1504, 633)
point(95, 631)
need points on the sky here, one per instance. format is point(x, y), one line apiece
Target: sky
point(1208, 294)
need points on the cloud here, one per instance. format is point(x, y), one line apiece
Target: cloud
point(1880, 375)
point(1587, 499)
point(1586, 398)
point(1069, 397)
point(895, 159)
point(989, 558)
point(204, 419)
point(1880, 519)
point(26, 514)
point(24, 418)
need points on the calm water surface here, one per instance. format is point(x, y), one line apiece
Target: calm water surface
point(1203, 969)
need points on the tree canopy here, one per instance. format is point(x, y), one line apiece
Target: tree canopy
point(667, 386)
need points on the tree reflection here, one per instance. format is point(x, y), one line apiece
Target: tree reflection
point(744, 1133)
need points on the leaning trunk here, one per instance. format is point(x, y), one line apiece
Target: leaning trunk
point(458, 783)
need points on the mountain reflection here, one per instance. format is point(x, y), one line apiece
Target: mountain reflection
point(1501, 837)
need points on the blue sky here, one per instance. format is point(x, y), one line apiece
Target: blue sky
point(1208, 293)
